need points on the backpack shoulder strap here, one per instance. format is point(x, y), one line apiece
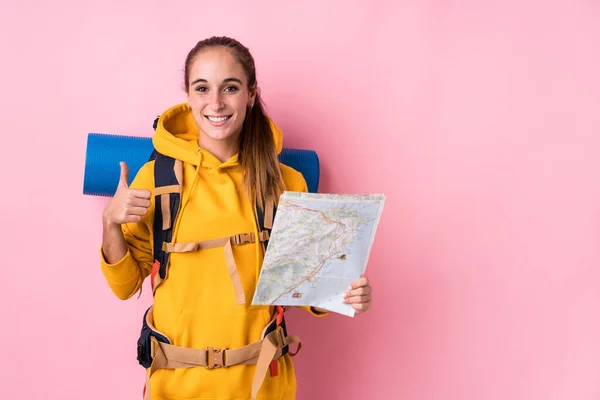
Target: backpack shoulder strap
point(168, 181)
point(168, 173)
point(265, 224)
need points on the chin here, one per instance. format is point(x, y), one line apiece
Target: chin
point(218, 134)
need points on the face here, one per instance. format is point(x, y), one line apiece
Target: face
point(218, 95)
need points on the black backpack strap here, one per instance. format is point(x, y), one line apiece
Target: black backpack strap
point(168, 181)
point(168, 173)
point(265, 225)
point(265, 220)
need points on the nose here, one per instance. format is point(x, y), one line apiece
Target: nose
point(216, 101)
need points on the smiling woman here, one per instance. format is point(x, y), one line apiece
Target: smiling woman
point(223, 95)
point(205, 207)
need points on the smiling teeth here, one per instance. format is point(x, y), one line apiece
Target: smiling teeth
point(217, 119)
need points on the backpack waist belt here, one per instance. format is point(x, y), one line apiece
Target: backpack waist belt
point(155, 352)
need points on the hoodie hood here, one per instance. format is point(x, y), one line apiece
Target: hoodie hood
point(177, 136)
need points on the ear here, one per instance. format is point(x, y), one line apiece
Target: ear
point(252, 97)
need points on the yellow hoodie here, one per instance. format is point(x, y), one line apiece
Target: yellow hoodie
point(196, 305)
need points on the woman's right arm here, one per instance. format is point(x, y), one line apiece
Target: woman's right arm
point(126, 253)
point(114, 247)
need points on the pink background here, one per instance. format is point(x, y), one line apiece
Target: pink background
point(478, 120)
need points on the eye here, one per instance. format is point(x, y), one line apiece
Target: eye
point(201, 89)
point(231, 89)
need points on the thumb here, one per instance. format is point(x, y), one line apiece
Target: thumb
point(123, 180)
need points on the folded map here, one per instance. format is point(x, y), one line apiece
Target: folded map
point(320, 243)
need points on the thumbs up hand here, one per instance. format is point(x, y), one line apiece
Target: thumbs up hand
point(127, 205)
point(124, 177)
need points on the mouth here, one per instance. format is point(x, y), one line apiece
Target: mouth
point(217, 119)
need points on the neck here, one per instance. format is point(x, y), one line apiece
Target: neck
point(222, 149)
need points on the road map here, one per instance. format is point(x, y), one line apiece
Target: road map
point(319, 244)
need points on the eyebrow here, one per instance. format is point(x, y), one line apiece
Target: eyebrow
point(201, 80)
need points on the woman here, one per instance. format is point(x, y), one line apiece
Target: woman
point(226, 149)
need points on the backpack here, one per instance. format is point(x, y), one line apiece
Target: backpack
point(154, 349)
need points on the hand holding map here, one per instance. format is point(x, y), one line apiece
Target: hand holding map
point(319, 244)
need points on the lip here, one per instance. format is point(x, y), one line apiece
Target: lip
point(217, 123)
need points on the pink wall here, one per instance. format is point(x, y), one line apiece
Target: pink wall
point(479, 121)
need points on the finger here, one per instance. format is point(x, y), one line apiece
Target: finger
point(132, 218)
point(359, 292)
point(361, 307)
point(141, 193)
point(136, 211)
point(138, 202)
point(362, 281)
point(358, 299)
point(123, 179)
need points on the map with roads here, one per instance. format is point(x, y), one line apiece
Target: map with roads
point(319, 244)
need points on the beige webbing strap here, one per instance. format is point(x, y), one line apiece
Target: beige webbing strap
point(260, 353)
point(156, 281)
point(185, 357)
point(159, 191)
point(240, 296)
point(240, 239)
point(194, 246)
point(178, 169)
point(271, 345)
point(165, 208)
point(268, 222)
point(226, 243)
point(165, 191)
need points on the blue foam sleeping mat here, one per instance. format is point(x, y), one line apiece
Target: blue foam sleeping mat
point(105, 151)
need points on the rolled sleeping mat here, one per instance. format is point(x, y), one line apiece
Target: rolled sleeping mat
point(104, 152)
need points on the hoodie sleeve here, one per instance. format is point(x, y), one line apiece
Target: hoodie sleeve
point(295, 182)
point(126, 276)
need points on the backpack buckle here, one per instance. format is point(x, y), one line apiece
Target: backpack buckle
point(243, 238)
point(215, 358)
point(263, 236)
